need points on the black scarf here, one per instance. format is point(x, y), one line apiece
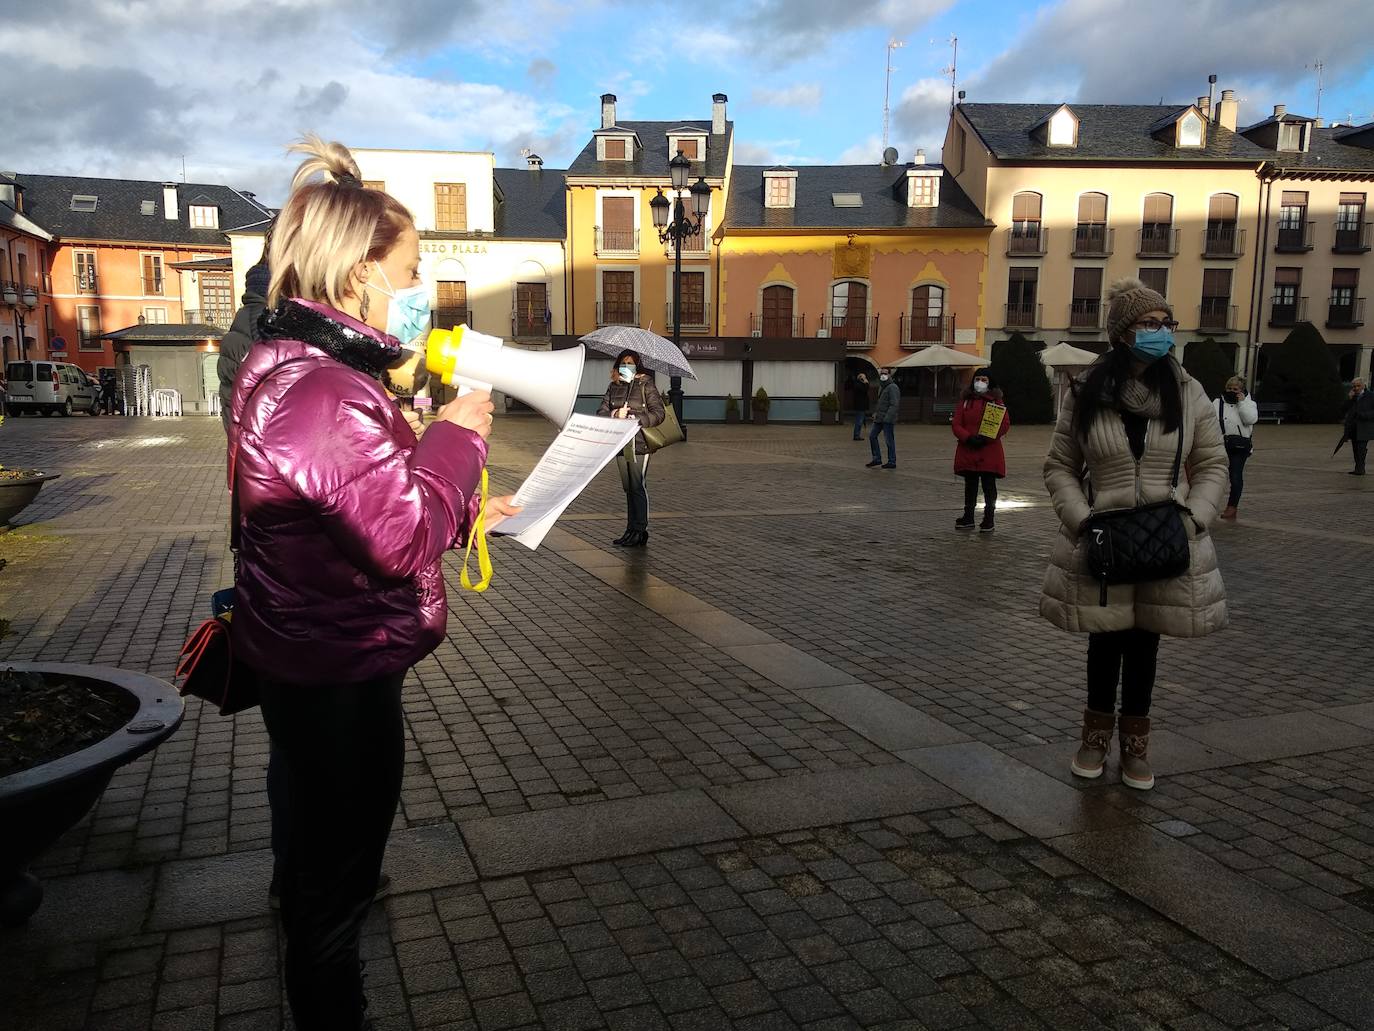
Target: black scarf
point(367, 354)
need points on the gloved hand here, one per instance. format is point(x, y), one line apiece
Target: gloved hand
point(977, 440)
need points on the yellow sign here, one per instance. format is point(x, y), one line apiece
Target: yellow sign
point(993, 415)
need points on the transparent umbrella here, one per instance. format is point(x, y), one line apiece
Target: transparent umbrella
point(656, 352)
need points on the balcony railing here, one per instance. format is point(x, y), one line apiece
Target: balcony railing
point(1027, 241)
point(857, 331)
point(617, 241)
point(85, 282)
point(1287, 311)
point(1345, 313)
point(1022, 316)
point(696, 246)
point(617, 313)
point(1085, 314)
point(152, 286)
point(1092, 241)
point(1293, 237)
point(1223, 241)
point(1156, 241)
point(1351, 238)
point(530, 324)
point(1216, 314)
point(695, 315)
point(920, 330)
point(777, 327)
point(220, 318)
point(449, 318)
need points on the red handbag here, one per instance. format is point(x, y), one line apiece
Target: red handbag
point(206, 669)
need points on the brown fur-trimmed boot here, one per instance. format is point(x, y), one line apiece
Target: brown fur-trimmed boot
point(1097, 742)
point(1135, 747)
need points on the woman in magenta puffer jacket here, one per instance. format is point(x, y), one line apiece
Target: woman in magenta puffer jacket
point(979, 459)
point(343, 519)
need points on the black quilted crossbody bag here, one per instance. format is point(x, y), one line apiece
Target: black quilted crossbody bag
point(1137, 545)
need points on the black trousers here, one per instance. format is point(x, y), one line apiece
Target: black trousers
point(340, 751)
point(1361, 449)
point(1237, 463)
point(989, 482)
point(633, 473)
point(1128, 656)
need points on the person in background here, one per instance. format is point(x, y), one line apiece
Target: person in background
point(108, 391)
point(244, 329)
point(1359, 423)
point(858, 389)
point(1237, 414)
point(979, 459)
point(632, 395)
point(1114, 448)
point(885, 420)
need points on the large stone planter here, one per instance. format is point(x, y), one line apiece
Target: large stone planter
point(16, 494)
point(39, 805)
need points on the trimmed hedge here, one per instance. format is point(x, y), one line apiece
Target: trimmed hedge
point(1020, 374)
point(1302, 373)
point(1207, 363)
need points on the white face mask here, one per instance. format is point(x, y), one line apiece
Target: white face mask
point(980, 386)
point(883, 377)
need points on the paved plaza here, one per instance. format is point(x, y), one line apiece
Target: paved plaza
point(800, 763)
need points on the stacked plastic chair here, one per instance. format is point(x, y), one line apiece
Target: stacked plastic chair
point(166, 402)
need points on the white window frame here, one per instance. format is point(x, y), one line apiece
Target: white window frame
point(629, 147)
point(1194, 119)
point(162, 266)
point(204, 216)
point(1054, 131)
point(148, 311)
point(95, 270)
point(769, 180)
point(634, 195)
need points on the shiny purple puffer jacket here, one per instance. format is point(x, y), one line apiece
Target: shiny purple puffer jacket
point(343, 517)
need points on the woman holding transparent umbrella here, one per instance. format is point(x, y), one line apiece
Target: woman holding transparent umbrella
point(632, 395)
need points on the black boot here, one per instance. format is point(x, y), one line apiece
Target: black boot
point(619, 542)
point(637, 539)
point(964, 522)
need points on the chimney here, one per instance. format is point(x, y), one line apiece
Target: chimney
point(1227, 109)
point(1319, 123)
point(169, 201)
point(920, 156)
point(534, 162)
point(718, 114)
point(607, 110)
point(1280, 110)
point(1204, 104)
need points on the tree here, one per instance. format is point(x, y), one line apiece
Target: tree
point(1020, 374)
point(1302, 373)
point(1207, 363)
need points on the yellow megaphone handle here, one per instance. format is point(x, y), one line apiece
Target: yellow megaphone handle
point(479, 538)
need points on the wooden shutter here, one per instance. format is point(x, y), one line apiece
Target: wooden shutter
point(1092, 208)
point(1354, 199)
point(1216, 282)
point(615, 150)
point(1287, 276)
point(777, 311)
point(451, 207)
point(1159, 208)
point(1345, 277)
point(618, 297)
point(693, 298)
point(1025, 207)
point(618, 213)
point(1157, 279)
point(1222, 207)
point(152, 273)
point(1087, 284)
point(1294, 198)
point(688, 148)
point(531, 308)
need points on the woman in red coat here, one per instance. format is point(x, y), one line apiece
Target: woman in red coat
point(979, 458)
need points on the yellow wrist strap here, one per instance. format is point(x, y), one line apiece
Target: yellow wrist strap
point(479, 538)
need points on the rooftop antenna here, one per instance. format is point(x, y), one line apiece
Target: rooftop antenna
point(1318, 66)
point(952, 69)
point(183, 168)
point(892, 44)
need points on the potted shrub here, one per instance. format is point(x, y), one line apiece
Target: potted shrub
point(18, 487)
point(760, 404)
point(830, 409)
point(731, 408)
point(66, 728)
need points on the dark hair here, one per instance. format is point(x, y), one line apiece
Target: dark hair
point(1105, 379)
point(633, 356)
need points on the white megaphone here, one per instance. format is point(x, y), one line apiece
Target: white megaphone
point(547, 381)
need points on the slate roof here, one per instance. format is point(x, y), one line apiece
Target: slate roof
point(117, 215)
point(1330, 149)
point(884, 200)
point(1106, 132)
point(531, 205)
point(651, 162)
point(164, 333)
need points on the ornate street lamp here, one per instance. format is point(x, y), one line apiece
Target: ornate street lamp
point(675, 223)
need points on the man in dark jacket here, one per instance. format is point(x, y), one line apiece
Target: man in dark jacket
point(1359, 423)
point(234, 347)
point(885, 420)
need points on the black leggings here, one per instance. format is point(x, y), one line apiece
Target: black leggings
point(989, 482)
point(340, 750)
point(1127, 655)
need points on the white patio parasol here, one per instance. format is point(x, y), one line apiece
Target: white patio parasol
point(1061, 355)
point(937, 357)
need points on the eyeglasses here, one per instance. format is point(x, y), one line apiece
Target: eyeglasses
point(1151, 325)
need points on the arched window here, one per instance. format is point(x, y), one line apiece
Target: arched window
point(927, 315)
point(1223, 237)
point(1090, 235)
point(849, 310)
point(1025, 224)
point(1157, 225)
point(777, 302)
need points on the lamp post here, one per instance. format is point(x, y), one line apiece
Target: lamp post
point(674, 223)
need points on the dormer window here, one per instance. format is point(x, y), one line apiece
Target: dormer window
point(779, 188)
point(689, 148)
point(1290, 136)
point(688, 139)
point(83, 202)
point(204, 216)
point(1063, 129)
point(615, 148)
point(922, 187)
point(1190, 130)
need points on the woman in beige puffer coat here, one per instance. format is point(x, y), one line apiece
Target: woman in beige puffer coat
point(1114, 448)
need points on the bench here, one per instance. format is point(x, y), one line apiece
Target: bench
point(942, 412)
point(1273, 411)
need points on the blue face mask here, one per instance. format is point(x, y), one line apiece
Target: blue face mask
point(1152, 344)
point(408, 314)
point(627, 373)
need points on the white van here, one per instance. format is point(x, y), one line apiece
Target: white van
point(51, 388)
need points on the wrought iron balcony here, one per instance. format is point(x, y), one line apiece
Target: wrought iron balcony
point(1026, 241)
point(857, 331)
point(1216, 314)
point(530, 324)
point(1092, 241)
point(1344, 312)
point(220, 318)
point(1022, 316)
point(1223, 241)
point(617, 313)
point(1293, 237)
point(695, 315)
point(1351, 237)
point(777, 327)
point(697, 245)
point(1085, 315)
point(1156, 241)
point(617, 241)
point(920, 330)
point(1287, 311)
point(152, 286)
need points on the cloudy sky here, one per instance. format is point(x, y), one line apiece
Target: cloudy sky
point(130, 88)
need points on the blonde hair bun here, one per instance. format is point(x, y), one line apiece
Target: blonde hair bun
point(327, 158)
